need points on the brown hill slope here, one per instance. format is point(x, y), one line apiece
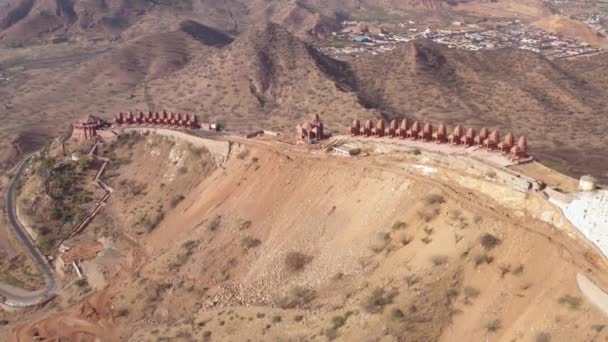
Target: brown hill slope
point(25, 22)
point(266, 78)
point(354, 249)
point(48, 99)
point(516, 90)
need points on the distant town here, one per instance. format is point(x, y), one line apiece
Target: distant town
point(361, 38)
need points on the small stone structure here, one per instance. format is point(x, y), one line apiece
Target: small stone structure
point(587, 183)
point(310, 131)
point(346, 150)
point(490, 141)
point(87, 127)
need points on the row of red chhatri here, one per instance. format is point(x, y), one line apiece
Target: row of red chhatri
point(491, 141)
point(156, 118)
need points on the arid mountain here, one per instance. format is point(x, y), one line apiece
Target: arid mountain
point(266, 78)
point(23, 22)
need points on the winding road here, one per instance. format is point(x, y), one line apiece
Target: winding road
point(19, 297)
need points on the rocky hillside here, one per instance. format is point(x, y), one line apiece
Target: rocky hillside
point(24, 22)
point(266, 78)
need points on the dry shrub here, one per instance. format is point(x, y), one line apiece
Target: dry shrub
point(405, 239)
point(572, 302)
point(489, 241)
point(243, 154)
point(411, 280)
point(493, 326)
point(295, 261)
point(434, 199)
point(215, 223)
point(382, 240)
point(483, 258)
point(397, 314)
point(470, 292)
point(399, 225)
point(518, 270)
point(248, 242)
point(377, 299)
point(296, 297)
point(176, 200)
point(439, 260)
point(427, 215)
point(543, 337)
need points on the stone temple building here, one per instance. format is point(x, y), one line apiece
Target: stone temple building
point(310, 131)
point(87, 127)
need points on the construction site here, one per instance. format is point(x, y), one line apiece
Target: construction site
point(419, 235)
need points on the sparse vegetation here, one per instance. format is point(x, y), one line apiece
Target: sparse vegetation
point(411, 279)
point(382, 240)
point(439, 260)
point(124, 312)
point(242, 155)
point(377, 299)
point(176, 200)
point(518, 270)
point(434, 199)
point(492, 326)
point(338, 321)
point(215, 223)
point(398, 225)
point(426, 240)
point(249, 242)
point(489, 241)
point(296, 297)
point(504, 269)
point(543, 337)
point(296, 261)
point(427, 215)
point(404, 239)
point(81, 282)
point(188, 248)
point(397, 314)
point(483, 258)
point(571, 302)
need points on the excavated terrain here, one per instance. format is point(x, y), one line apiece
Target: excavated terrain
point(282, 243)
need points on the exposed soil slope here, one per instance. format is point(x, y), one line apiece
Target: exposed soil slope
point(354, 249)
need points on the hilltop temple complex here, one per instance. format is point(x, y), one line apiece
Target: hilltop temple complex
point(310, 131)
point(485, 139)
point(87, 127)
